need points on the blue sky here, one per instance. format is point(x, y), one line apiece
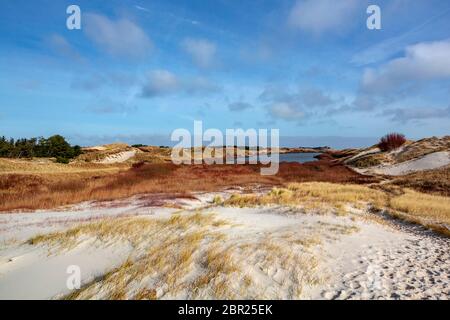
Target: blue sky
point(139, 69)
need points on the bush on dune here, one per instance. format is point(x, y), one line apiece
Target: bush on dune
point(391, 141)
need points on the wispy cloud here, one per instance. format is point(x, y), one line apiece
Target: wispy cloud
point(239, 106)
point(404, 115)
point(164, 82)
point(296, 105)
point(120, 37)
point(95, 81)
point(322, 16)
point(142, 8)
point(202, 51)
point(286, 111)
point(60, 45)
point(108, 106)
point(391, 46)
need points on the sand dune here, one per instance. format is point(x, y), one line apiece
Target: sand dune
point(264, 252)
point(430, 161)
point(118, 157)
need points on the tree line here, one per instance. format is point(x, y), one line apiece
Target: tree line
point(55, 146)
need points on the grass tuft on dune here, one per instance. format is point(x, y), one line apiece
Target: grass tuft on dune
point(197, 256)
point(318, 196)
point(431, 211)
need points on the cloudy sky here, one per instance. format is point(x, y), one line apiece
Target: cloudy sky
point(139, 69)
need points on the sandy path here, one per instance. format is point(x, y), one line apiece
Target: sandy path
point(409, 263)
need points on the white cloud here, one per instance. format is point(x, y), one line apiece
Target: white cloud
point(308, 98)
point(320, 16)
point(404, 115)
point(380, 51)
point(387, 48)
point(95, 81)
point(422, 65)
point(160, 82)
point(121, 37)
point(142, 8)
point(163, 82)
point(63, 47)
point(422, 62)
point(297, 105)
point(239, 106)
point(202, 52)
point(286, 111)
point(316, 98)
point(108, 106)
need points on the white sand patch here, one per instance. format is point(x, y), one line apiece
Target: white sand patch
point(31, 273)
point(362, 154)
point(118, 157)
point(430, 161)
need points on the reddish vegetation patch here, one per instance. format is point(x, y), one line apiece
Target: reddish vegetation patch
point(391, 141)
point(31, 192)
point(435, 181)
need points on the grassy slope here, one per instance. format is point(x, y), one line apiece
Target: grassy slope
point(431, 211)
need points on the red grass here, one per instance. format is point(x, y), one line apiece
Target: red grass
point(391, 141)
point(42, 192)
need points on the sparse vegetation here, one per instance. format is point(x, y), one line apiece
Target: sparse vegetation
point(317, 196)
point(431, 211)
point(368, 161)
point(431, 181)
point(98, 153)
point(188, 254)
point(423, 147)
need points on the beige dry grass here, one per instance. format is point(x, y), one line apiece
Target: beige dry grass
point(47, 166)
point(318, 196)
point(190, 255)
point(165, 250)
point(98, 153)
point(431, 211)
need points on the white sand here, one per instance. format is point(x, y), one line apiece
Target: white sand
point(377, 261)
point(380, 264)
point(430, 161)
point(118, 157)
point(363, 153)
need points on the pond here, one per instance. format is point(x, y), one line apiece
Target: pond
point(300, 157)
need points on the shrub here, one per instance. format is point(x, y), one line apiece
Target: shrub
point(369, 161)
point(62, 160)
point(217, 200)
point(391, 141)
point(138, 165)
